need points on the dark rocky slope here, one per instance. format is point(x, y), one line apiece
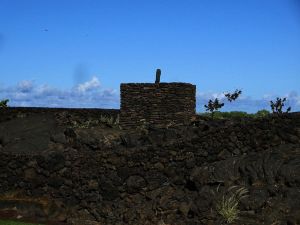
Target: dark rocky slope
point(175, 175)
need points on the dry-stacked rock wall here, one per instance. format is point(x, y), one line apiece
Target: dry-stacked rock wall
point(157, 104)
point(173, 175)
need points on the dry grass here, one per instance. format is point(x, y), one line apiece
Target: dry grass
point(18, 196)
point(109, 120)
point(227, 207)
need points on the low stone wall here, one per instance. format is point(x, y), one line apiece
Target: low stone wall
point(158, 104)
point(13, 112)
point(166, 175)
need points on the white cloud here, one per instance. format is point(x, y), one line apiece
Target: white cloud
point(218, 95)
point(109, 92)
point(25, 86)
point(267, 96)
point(294, 98)
point(20, 96)
point(210, 95)
point(85, 95)
point(89, 85)
point(91, 95)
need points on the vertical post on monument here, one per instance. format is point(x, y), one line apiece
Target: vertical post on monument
point(158, 73)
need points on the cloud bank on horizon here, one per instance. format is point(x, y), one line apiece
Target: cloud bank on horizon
point(91, 94)
point(88, 94)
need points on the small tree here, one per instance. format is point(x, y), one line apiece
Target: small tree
point(234, 96)
point(3, 103)
point(278, 105)
point(213, 106)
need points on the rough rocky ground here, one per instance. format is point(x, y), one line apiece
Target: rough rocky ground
point(92, 173)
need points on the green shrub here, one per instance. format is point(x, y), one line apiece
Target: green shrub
point(278, 105)
point(262, 113)
point(228, 115)
point(234, 114)
point(3, 103)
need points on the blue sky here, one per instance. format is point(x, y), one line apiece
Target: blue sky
point(75, 53)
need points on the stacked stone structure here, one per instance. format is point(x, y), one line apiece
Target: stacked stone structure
point(156, 104)
point(107, 176)
point(51, 171)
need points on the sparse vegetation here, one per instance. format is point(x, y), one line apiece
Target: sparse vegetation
point(278, 105)
point(85, 124)
point(3, 103)
point(213, 106)
point(143, 127)
point(262, 113)
point(108, 120)
point(228, 205)
point(237, 114)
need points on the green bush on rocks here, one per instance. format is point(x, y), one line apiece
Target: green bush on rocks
point(3, 103)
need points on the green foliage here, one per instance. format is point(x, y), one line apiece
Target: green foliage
point(3, 103)
point(278, 105)
point(233, 114)
point(237, 114)
point(262, 113)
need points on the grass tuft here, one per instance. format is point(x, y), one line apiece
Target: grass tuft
point(227, 207)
